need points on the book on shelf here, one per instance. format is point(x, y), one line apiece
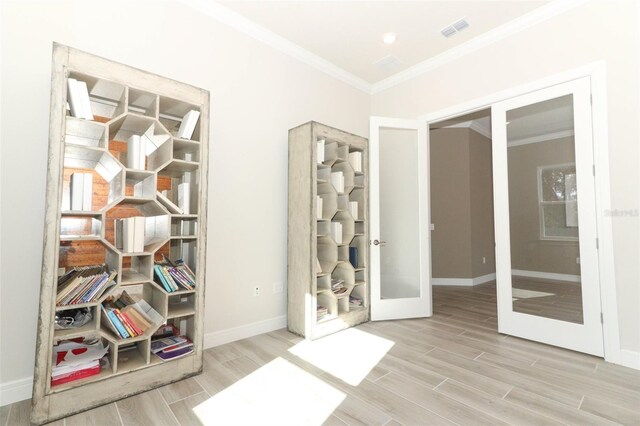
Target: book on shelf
point(321, 311)
point(136, 153)
point(166, 201)
point(353, 209)
point(355, 159)
point(336, 232)
point(355, 301)
point(336, 284)
point(77, 359)
point(167, 343)
point(79, 102)
point(320, 206)
point(337, 180)
point(174, 276)
point(353, 256)
point(320, 149)
point(130, 233)
point(81, 191)
point(128, 317)
point(84, 284)
point(188, 124)
point(184, 194)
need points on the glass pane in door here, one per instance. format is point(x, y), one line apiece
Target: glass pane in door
point(543, 210)
point(399, 227)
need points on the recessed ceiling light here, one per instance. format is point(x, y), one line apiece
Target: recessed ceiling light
point(389, 38)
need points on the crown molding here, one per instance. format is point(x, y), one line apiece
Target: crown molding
point(260, 33)
point(521, 23)
point(541, 138)
point(268, 37)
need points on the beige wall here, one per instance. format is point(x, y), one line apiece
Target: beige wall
point(596, 31)
point(481, 194)
point(257, 94)
point(461, 204)
point(528, 251)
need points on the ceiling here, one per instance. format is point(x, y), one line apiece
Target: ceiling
point(349, 33)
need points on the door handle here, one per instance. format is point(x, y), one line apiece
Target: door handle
point(379, 243)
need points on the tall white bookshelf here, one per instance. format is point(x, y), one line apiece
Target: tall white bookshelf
point(328, 237)
point(124, 101)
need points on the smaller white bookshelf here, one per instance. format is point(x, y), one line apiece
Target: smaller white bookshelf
point(328, 250)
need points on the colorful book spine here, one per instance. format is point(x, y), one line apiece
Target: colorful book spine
point(117, 324)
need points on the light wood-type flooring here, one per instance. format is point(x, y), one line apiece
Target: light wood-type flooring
point(564, 301)
point(453, 368)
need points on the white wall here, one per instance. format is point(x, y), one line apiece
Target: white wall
point(257, 94)
point(595, 31)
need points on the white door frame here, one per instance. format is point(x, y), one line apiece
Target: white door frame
point(597, 73)
point(414, 307)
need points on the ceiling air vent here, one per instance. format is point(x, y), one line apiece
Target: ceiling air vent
point(454, 28)
point(387, 63)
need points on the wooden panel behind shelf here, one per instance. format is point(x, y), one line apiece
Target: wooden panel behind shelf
point(164, 250)
point(119, 150)
point(81, 253)
point(164, 183)
point(100, 188)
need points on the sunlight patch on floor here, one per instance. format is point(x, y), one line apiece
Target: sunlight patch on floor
point(278, 393)
point(520, 293)
point(348, 355)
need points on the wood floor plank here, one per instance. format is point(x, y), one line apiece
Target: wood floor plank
point(225, 352)
point(390, 403)
point(497, 407)
point(608, 411)
point(242, 366)
point(105, 415)
point(334, 421)
point(417, 373)
point(180, 390)
point(183, 409)
point(4, 414)
point(215, 377)
point(356, 412)
point(144, 409)
point(553, 409)
point(433, 401)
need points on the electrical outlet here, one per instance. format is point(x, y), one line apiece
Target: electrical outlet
point(278, 287)
point(484, 260)
point(256, 291)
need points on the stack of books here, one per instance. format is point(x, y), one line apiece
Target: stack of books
point(336, 232)
point(355, 302)
point(355, 159)
point(81, 192)
point(337, 286)
point(127, 317)
point(172, 347)
point(76, 359)
point(322, 311)
point(174, 276)
point(84, 284)
point(337, 180)
point(79, 102)
point(320, 150)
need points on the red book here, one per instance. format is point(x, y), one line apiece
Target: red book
point(76, 375)
point(131, 323)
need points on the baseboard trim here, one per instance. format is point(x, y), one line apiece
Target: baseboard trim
point(229, 335)
point(630, 359)
point(15, 391)
point(464, 282)
point(546, 275)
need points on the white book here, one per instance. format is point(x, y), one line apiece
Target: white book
point(188, 124)
point(117, 233)
point(336, 232)
point(127, 235)
point(353, 209)
point(165, 201)
point(355, 159)
point(84, 99)
point(184, 201)
point(138, 234)
point(337, 180)
point(134, 151)
point(320, 203)
point(87, 192)
point(320, 149)
point(76, 187)
point(75, 103)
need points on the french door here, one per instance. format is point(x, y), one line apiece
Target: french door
point(400, 261)
point(545, 218)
